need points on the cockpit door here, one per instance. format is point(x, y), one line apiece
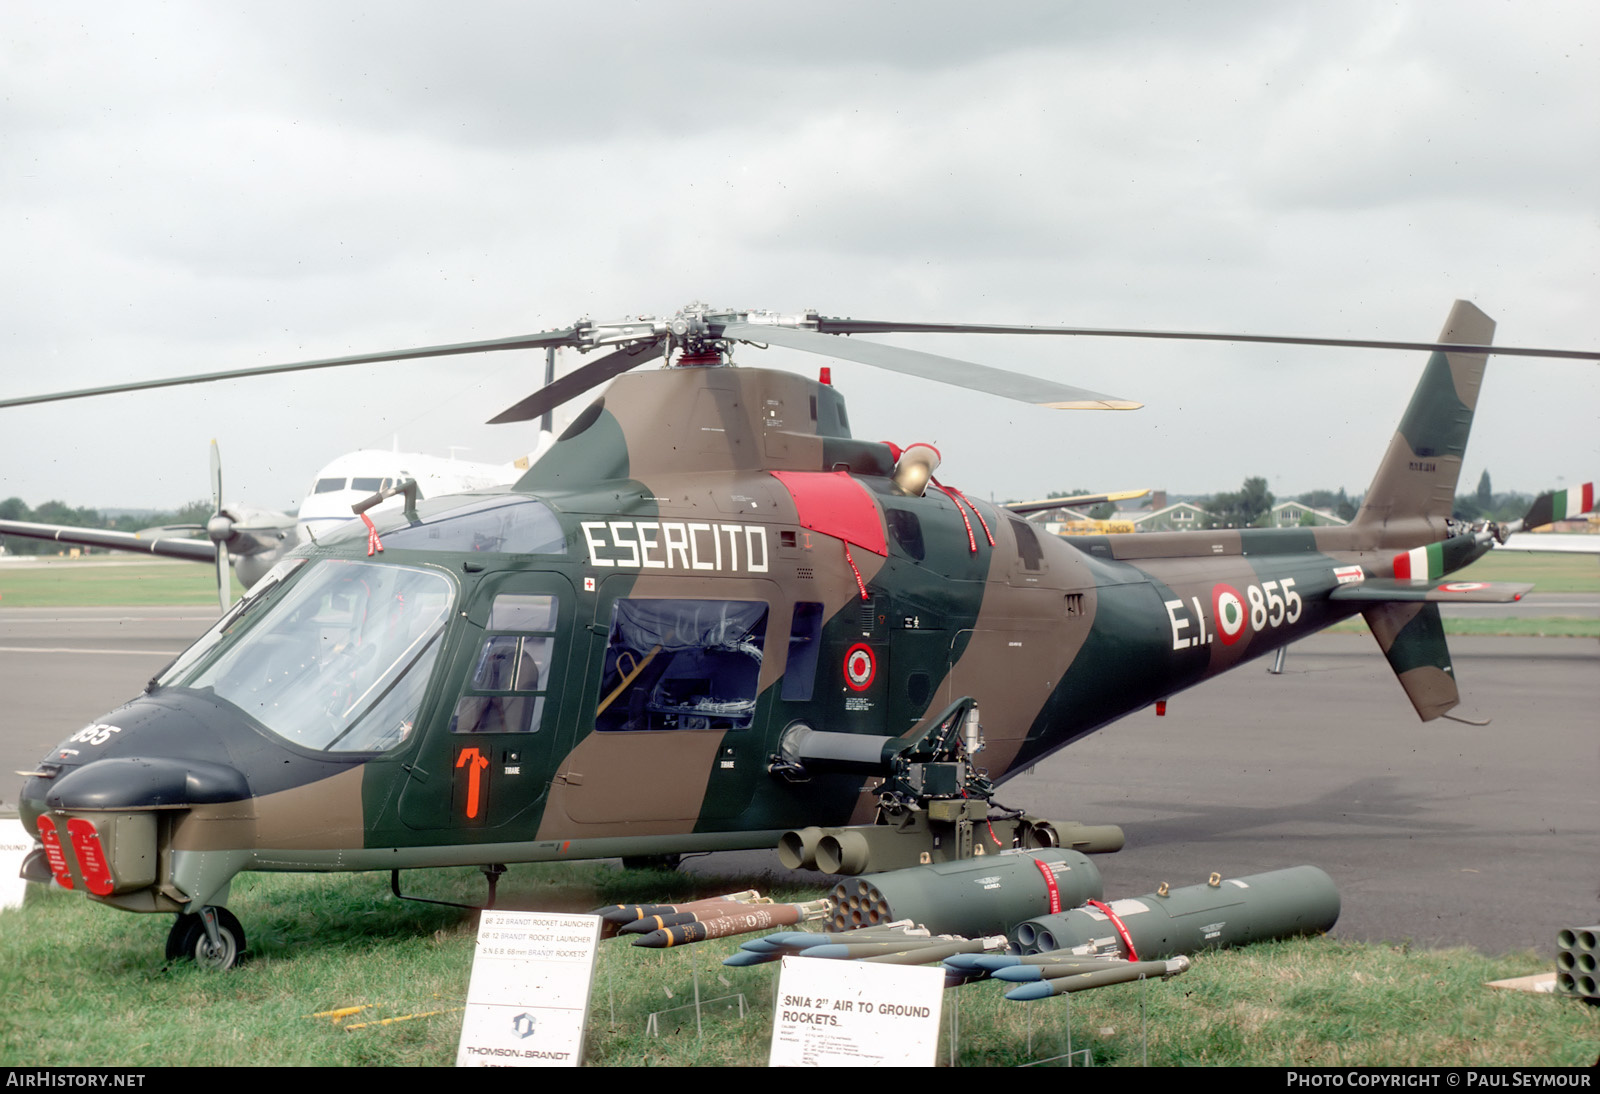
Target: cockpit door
point(486, 762)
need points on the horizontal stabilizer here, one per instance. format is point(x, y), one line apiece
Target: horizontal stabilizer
point(1386, 591)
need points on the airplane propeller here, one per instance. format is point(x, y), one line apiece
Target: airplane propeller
point(219, 529)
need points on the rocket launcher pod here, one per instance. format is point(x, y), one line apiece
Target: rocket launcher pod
point(970, 897)
point(1578, 962)
point(1278, 904)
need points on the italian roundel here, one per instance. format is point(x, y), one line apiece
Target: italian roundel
point(859, 667)
point(1227, 606)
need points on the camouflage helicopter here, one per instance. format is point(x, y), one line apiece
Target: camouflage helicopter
point(710, 618)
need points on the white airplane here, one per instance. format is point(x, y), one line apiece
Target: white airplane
point(254, 539)
point(1573, 543)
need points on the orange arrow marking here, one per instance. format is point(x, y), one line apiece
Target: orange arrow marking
point(474, 762)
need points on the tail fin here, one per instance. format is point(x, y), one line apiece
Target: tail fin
point(1412, 494)
point(1412, 638)
point(1558, 505)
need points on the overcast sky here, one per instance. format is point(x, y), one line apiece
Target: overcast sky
point(187, 187)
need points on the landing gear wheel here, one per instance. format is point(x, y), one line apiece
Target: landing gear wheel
point(188, 941)
point(651, 862)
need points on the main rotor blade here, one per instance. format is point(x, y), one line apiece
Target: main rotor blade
point(948, 370)
point(868, 326)
point(1073, 501)
point(580, 380)
point(524, 341)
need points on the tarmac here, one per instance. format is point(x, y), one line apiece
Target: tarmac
point(1437, 834)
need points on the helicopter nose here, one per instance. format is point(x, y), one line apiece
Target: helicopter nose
point(137, 783)
point(100, 828)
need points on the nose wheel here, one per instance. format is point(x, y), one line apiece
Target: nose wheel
point(212, 938)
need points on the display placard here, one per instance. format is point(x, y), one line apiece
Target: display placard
point(851, 1014)
point(15, 843)
point(528, 1000)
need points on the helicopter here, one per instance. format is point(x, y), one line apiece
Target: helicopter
point(710, 618)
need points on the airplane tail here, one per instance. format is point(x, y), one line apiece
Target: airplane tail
point(1411, 496)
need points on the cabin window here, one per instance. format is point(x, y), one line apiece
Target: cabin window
point(1027, 544)
point(906, 530)
point(682, 664)
point(805, 639)
point(511, 675)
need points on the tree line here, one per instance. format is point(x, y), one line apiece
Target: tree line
point(1251, 505)
point(59, 512)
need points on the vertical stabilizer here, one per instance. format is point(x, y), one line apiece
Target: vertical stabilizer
point(1412, 494)
point(1412, 638)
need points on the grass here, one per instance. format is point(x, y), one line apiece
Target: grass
point(1550, 573)
point(99, 582)
point(86, 985)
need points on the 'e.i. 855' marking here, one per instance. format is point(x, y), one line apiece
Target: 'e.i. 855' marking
point(96, 734)
point(1272, 604)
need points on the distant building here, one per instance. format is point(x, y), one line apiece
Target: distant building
point(1182, 516)
point(1294, 514)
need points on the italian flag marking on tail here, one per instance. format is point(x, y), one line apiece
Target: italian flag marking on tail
point(1420, 563)
point(1573, 501)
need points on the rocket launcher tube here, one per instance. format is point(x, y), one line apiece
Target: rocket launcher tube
point(1278, 904)
point(976, 896)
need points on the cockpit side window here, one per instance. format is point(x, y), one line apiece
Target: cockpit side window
point(511, 676)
